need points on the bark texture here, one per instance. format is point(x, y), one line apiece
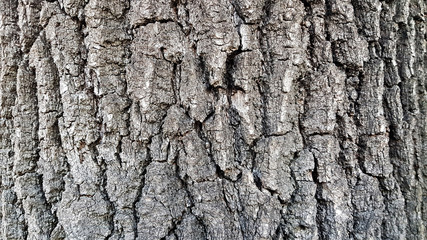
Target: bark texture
point(213, 119)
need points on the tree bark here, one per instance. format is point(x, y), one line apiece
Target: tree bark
point(213, 119)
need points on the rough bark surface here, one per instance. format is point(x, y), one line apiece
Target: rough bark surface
point(213, 119)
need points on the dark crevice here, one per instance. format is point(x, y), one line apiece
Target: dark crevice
point(151, 21)
point(172, 230)
point(266, 60)
point(322, 223)
point(268, 4)
point(278, 233)
point(205, 74)
point(320, 203)
point(119, 151)
point(263, 89)
point(19, 205)
point(174, 5)
point(230, 64)
point(176, 73)
point(312, 37)
point(137, 199)
point(307, 5)
point(238, 11)
point(227, 204)
point(257, 181)
point(184, 24)
point(304, 83)
point(186, 187)
point(198, 126)
point(54, 222)
point(139, 195)
point(104, 192)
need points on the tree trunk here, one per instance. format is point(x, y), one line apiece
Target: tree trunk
point(213, 119)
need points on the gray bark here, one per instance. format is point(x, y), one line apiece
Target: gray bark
point(223, 119)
